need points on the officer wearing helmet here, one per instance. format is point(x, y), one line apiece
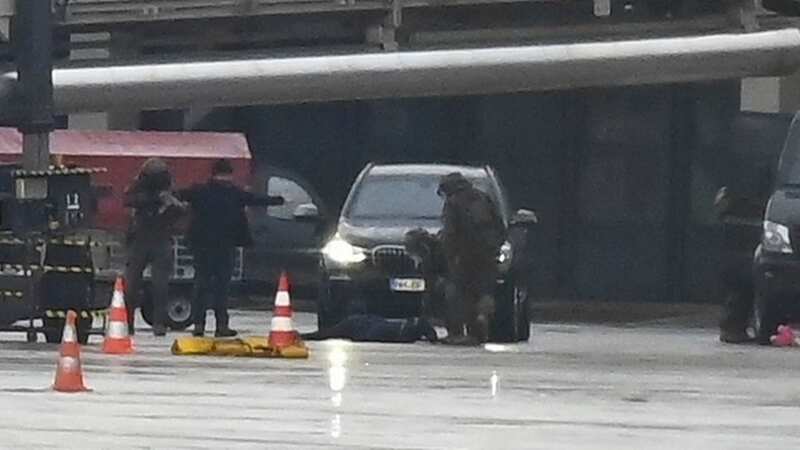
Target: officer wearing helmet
point(472, 235)
point(156, 211)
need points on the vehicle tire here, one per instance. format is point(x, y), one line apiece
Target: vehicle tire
point(179, 308)
point(331, 309)
point(54, 329)
point(766, 318)
point(84, 326)
point(511, 319)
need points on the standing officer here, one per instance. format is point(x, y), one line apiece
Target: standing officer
point(472, 236)
point(149, 239)
point(218, 225)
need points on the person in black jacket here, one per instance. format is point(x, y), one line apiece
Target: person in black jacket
point(156, 210)
point(218, 226)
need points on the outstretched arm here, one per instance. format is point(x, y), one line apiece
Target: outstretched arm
point(248, 198)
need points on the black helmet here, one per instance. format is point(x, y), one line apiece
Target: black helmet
point(155, 175)
point(452, 183)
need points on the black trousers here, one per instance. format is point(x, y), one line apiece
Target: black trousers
point(473, 280)
point(739, 296)
point(157, 253)
point(212, 280)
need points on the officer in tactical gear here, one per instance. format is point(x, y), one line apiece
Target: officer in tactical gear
point(472, 235)
point(156, 210)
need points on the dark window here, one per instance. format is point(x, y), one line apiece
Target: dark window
point(402, 197)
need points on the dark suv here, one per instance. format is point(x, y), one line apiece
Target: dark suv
point(366, 258)
point(777, 258)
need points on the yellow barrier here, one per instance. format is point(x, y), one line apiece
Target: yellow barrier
point(253, 347)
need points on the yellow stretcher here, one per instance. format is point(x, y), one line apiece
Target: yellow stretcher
point(253, 347)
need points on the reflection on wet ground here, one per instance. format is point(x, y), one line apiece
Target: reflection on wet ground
point(586, 387)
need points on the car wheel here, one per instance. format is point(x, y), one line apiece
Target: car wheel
point(54, 330)
point(766, 318)
point(511, 319)
point(179, 309)
point(326, 311)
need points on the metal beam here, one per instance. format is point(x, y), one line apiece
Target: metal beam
point(429, 73)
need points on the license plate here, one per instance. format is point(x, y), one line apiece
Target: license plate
point(407, 284)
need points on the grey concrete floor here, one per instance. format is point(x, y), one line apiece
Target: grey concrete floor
point(572, 387)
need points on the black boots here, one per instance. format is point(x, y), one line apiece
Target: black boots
point(225, 333)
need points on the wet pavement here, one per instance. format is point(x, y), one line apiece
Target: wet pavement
point(573, 387)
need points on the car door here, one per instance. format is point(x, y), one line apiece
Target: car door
point(281, 241)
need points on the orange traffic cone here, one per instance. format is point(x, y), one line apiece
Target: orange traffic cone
point(282, 332)
point(117, 340)
point(69, 375)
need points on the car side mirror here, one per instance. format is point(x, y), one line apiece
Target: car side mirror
point(307, 212)
point(524, 217)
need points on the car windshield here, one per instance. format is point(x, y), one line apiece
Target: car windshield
point(789, 169)
point(789, 165)
point(402, 197)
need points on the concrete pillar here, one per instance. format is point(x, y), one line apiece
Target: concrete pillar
point(761, 95)
point(771, 95)
point(123, 45)
point(790, 93)
point(89, 121)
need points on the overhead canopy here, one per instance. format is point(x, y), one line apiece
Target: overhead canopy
point(423, 73)
point(136, 144)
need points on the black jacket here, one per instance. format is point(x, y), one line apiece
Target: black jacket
point(218, 214)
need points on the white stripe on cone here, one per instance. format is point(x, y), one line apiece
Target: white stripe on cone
point(282, 324)
point(69, 334)
point(117, 330)
point(282, 299)
point(68, 364)
point(117, 300)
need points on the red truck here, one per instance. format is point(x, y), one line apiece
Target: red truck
point(282, 241)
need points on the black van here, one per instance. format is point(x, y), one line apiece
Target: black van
point(776, 264)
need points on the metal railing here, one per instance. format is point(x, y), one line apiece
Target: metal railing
point(84, 12)
point(87, 12)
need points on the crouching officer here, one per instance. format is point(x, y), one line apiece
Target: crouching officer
point(472, 235)
point(149, 241)
point(218, 226)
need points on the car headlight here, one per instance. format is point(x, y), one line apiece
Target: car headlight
point(505, 256)
point(776, 238)
point(343, 253)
